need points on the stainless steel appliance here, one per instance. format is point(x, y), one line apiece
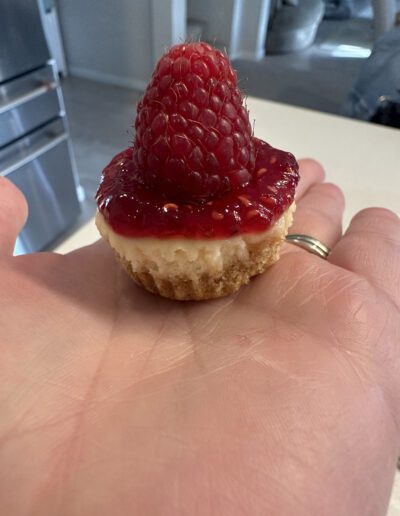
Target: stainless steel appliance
point(35, 148)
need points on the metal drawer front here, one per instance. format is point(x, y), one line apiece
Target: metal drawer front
point(22, 40)
point(31, 146)
point(14, 123)
point(26, 103)
point(15, 91)
point(51, 192)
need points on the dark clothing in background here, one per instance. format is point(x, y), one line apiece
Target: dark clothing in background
point(379, 77)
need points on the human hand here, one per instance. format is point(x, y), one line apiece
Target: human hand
point(282, 399)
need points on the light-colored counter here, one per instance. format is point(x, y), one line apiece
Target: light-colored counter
point(363, 159)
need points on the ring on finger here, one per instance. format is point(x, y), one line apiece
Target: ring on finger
point(310, 244)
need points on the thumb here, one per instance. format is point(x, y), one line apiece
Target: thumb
point(13, 215)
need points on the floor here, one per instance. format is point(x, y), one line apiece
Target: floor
point(319, 77)
point(101, 116)
point(100, 120)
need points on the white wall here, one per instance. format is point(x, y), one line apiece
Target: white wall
point(249, 29)
point(119, 41)
point(169, 25)
point(217, 15)
point(108, 40)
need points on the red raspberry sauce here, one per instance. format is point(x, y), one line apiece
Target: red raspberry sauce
point(133, 210)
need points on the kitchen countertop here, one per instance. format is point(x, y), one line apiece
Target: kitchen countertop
point(361, 158)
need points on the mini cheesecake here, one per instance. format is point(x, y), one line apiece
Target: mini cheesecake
point(198, 205)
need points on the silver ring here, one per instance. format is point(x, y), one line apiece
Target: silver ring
point(310, 244)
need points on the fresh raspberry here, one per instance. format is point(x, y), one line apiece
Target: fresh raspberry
point(193, 136)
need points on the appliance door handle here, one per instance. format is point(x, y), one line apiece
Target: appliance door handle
point(40, 90)
point(35, 153)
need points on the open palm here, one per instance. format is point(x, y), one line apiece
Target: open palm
point(282, 399)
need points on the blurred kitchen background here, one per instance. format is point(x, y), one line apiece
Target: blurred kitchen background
point(72, 71)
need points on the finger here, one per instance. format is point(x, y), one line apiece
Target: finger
point(311, 173)
point(319, 214)
point(371, 248)
point(13, 215)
